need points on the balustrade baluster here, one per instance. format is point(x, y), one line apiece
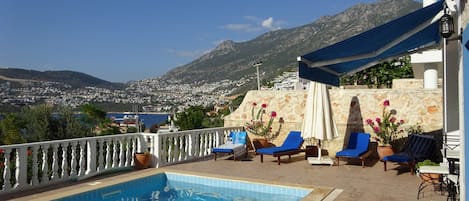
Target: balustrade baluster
point(177, 151)
point(108, 155)
point(163, 151)
point(55, 166)
point(90, 156)
point(134, 150)
point(101, 153)
point(82, 167)
point(204, 148)
point(190, 146)
point(128, 152)
point(121, 152)
point(45, 162)
point(64, 160)
point(114, 151)
point(171, 149)
point(182, 148)
point(196, 145)
point(73, 160)
point(6, 170)
point(34, 178)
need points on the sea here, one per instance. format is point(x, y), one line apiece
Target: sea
point(148, 119)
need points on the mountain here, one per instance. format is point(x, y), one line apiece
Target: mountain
point(69, 79)
point(279, 49)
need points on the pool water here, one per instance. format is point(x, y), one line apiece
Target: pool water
point(172, 186)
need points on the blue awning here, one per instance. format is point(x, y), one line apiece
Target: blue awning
point(402, 36)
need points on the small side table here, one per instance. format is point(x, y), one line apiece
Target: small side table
point(426, 171)
point(311, 151)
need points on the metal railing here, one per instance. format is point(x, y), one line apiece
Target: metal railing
point(33, 165)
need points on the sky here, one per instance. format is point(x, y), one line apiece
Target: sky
point(120, 41)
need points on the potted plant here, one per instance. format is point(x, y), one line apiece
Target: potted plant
point(142, 160)
point(386, 129)
point(428, 177)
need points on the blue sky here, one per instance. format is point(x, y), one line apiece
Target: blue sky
point(119, 41)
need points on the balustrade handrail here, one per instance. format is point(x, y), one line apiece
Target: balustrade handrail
point(12, 146)
point(37, 164)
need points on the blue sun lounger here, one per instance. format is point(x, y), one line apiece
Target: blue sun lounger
point(357, 147)
point(235, 146)
point(291, 146)
point(418, 148)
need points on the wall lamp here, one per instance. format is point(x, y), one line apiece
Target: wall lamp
point(446, 25)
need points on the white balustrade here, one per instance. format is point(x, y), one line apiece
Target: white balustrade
point(32, 165)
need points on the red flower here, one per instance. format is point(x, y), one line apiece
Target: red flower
point(376, 129)
point(393, 119)
point(254, 104)
point(369, 121)
point(378, 120)
point(402, 121)
point(386, 103)
point(264, 105)
point(273, 114)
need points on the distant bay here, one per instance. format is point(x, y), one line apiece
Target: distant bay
point(148, 119)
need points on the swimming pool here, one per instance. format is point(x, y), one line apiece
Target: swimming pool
point(177, 186)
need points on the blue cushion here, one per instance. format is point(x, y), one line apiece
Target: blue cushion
point(273, 150)
point(400, 158)
point(228, 148)
point(351, 153)
point(239, 137)
point(292, 142)
point(357, 145)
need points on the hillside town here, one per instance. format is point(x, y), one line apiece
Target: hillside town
point(155, 95)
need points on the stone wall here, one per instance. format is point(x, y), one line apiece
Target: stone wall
point(350, 107)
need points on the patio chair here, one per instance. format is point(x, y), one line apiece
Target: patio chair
point(357, 147)
point(291, 145)
point(236, 145)
point(417, 148)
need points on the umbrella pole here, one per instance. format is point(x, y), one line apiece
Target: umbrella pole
point(319, 150)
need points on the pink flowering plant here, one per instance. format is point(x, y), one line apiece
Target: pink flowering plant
point(386, 127)
point(257, 125)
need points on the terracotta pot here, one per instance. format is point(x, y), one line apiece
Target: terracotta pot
point(142, 160)
point(260, 143)
point(384, 151)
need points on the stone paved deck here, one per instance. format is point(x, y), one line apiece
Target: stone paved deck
point(369, 183)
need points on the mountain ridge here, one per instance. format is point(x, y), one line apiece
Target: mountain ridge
point(278, 49)
point(70, 79)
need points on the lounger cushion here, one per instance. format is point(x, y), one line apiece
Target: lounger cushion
point(292, 142)
point(357, 145)
point(273, 150)
point(399, 157)
point(229, 148)
point(350, 153)
point(237, 145)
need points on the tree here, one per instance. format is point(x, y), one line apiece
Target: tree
point(191, 118)
point(10, 130)
point(94, 117)
point(70, 126)
point(382, 74)
point(37, 121)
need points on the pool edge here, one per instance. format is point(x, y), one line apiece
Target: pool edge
point(318, 193)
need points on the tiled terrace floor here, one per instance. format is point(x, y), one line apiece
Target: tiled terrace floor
point(357, 183)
